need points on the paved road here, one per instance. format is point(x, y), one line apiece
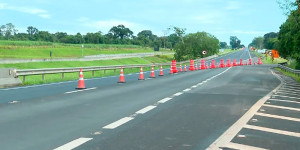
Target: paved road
point(183, 111)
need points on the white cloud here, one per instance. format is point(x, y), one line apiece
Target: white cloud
point(30, 10)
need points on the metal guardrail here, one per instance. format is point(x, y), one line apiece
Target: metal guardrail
point(287, 69)
point(27, 72)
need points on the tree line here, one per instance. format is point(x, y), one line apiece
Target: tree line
point(287, 40)
point(116, 35)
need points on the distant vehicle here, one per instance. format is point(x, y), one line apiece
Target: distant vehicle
point(261, 51)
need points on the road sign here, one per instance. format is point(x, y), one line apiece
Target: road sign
point(270, 53)
point(204, 52)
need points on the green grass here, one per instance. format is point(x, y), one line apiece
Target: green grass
point(268, 59)
point(37, 49)
point(297, 78)
point(227, 51)
point(49, 78)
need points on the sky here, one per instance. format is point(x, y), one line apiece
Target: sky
point(245, 19)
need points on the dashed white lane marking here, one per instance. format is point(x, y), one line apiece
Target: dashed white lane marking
point(289, 133)
point(288, 101)
point(73, 144)
point(287, 96)
point(282, 107)
point(118, 123)
point(242, 147)
point(80, 90)
point(194, 86)
point(278, 117)
point(177, 94)
point(164, 100)
point(13, 102)
point(186, 90)
point(146, 109)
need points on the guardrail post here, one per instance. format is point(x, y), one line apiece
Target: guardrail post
point(104, 71)
point(24, 78)
point(43, 77)
point(114, 70)
point(93, 73)
point(63, 75)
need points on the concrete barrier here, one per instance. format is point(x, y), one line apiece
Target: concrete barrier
point(7, 78)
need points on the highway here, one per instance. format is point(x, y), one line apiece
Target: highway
point(188, 110)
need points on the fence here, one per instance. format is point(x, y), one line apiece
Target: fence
point(27, 72)
point(287, 69)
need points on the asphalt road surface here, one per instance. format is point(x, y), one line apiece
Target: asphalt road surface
point(188, 110)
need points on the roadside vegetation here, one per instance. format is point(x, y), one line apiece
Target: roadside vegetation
point(268, 59)
point(286, 41)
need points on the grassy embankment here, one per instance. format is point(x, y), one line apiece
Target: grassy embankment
point(36, 49)
point(29, 49)
point(268, 60)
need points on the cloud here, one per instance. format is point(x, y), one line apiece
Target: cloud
point(29, 10)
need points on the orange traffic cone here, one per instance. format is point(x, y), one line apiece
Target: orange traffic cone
point(141, 74)
point(196, 68)
point(180, 69)
point(122, 79)
point(161, 73)
point(171, 70)
point(184, 68)
point(81, 81)
point(152, 73)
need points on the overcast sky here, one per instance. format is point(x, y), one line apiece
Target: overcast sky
point(245, 19)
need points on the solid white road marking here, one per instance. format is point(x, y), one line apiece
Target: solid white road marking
point(282, 107)
point(118, 123)
point(288, 90)
point(288, 93)
point(146, 109)
point(278, 117)
point(177, 94)
point(73, 144)
point(80, 90)
point(194, 86)
point(289, 133)
point(164, 100)
point(186, 90)
point(287, 96)
point(242, 147)
point(288, 101)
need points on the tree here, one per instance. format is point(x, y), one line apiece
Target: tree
point(289, 38)
point(257, 42)
point(45, 36)
point(223, 45)
point(267, 41)
point(120, 32)
point(173, 39)
point(234, 42)
point(193, 44)
point(146, 38)
point(8, 30)
point(31, 32)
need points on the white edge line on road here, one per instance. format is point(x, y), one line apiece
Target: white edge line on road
point(146, 109)
point(80, 90)
point(177, 94)
point(288, 101)
point(164, 100)
point(118, 123)
point(278, 117)
point(282, 132)
point(73, 144)
point(242, 147)
point(282, 107)
point(230, 133)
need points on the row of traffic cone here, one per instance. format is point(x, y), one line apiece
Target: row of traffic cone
point(81, 84)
